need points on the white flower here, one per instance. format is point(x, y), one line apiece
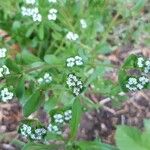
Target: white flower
point(144, 80)
point(54, 129)
point(70, 62)
point(4, 71)
point(29, 11)
point(140, 62)
point(147, 67)
point(3, 52)
point(58, 118)
point(78, 61)
point(52, 14)
point(75, 84)
point(30, 2)
point(6, 95)
point(46, 79)
point(132, 81)
point(40, 80)
point(140, 86)
point(72, 36)
point(83, 23)
point(52, 1)
point(67, 115)
point(37, 17)
point(71, 80)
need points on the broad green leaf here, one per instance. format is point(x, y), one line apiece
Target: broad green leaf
point(29, 58)
point(32, 103)
point(130, 62)
point(128, 138)
point(76, 116)
point(51, 59)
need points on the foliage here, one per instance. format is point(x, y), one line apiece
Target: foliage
point(58, 43)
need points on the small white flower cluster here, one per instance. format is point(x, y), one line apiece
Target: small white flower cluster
point(67, 115)
point(135, 84)
point(4, 71)
point(72, 36)
point(59, 120)
point(54, 129)
point(52, 14)
point(72, 61)
point(33, 12)
point(145, 64)
point(32, 2)
point(52, 1)
point(75, 84)
point(36, 134)
point(83, 23)
point(46, 79)
point(3, 52)
point(6, 95)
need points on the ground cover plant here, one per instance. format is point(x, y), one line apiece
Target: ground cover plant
point(56, 57)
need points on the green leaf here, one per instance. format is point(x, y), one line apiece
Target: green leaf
point(147, 125)
point(90, 145)
point(130, 62)
point(12, 65)
point(41, 32)
point(138, 6)
point(104, 48)
point(32, 103)
point(36, 146)
point(20, 88)
point(29, 58)
point(76, 116)
point(129, 138)
point(51, 59)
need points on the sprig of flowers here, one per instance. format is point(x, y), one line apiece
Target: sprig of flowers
point(59, 120)
point(72, 61)
point(34, 134)
point(134, 84)
point(5, 95)
point(83, 23)
point(52, 14)
point(72, 36)
point(3, 52)
point(75, 84)
point(47, 78)
point(4, 70)
point(144, 64)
